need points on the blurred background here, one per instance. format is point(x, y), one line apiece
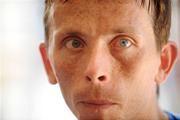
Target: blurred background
point(25, 93)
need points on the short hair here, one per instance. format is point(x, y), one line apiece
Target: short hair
point(160, 11)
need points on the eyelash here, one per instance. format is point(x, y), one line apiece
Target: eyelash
point(118, 38)
point(69, 38)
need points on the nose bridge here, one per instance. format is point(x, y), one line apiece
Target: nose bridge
point(96, 57)
point(98, 64)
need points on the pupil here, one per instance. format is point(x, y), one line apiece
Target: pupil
point(76, 43)
point(124, 42)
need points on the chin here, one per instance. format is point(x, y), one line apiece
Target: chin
point(99, 114)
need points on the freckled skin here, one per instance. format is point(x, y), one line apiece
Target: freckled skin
point(129, 73)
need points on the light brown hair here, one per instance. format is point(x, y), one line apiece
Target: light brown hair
point(161, 16)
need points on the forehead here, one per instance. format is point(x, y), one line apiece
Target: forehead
point(79, 7)
point(145, 3)
point(96, 15)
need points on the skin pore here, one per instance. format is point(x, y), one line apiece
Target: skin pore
point(103, 55)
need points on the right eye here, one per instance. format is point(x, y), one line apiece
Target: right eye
point(124, 43)
point(74, 43)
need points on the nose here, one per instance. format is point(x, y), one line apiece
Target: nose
point(98, 67)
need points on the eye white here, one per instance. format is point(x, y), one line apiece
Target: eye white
point(74, 43)
point(124, 43)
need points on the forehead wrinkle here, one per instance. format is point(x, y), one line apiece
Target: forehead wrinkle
point(94, 16)
point(143, 3)
point(84, 16)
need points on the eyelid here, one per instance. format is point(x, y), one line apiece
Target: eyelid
point(69, 38)
point(132, 40)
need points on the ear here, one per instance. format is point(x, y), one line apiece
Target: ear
point(167, 59)
point(47, 65)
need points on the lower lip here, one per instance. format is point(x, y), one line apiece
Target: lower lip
point(97, 106)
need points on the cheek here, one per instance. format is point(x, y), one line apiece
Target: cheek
point(65, 65)
point(128, 63)
point(126, 71)
point(67, 73)
point(136, 72)
point(137, 63)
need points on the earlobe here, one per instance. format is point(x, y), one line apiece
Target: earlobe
point(47, 65)
point(167, 58)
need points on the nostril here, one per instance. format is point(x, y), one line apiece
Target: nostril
point(88, 78)
point(102, 78)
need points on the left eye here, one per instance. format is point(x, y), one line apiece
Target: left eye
point(124, 43)
point(74, 43)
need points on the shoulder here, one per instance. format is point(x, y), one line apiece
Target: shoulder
point(173, 116)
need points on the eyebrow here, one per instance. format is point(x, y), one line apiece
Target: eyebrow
point(70, 32)
point(115, 31)
point(76, 32)
point(125, 30)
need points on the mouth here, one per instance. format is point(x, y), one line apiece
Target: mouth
point(97, 104)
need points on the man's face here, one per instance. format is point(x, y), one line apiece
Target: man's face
point(104, 56)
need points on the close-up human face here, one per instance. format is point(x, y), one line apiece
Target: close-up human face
point(105, 59)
